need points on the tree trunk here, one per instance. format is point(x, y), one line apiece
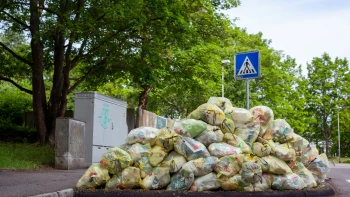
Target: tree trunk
point(143, 97)
point(37, 72)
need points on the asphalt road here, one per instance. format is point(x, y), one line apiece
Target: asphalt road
point(340, 179)
point(27, 183)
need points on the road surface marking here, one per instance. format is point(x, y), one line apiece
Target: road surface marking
point(348, 181)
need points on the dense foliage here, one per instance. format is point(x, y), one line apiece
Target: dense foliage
point(164, 56)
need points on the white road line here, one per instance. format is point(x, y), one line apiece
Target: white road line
point(348, 181)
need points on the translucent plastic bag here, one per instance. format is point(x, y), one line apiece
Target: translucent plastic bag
point(190, 148)
point(96, 175)
point(279, 131)
point(201, 166)
point(262, 114)
point(142, 135)
point(276, 166)
point(260, 149)
point(166, 138)
point(182, 180)
point(232, 183)
point(157, 155)
point(158, 179)
point(248, 133)
point(251, 172)
point(174, 161)
point(209, 113)
point(228, 126)
point(237, 142)
point(144, 165)
point(206, 182)
point(287, 182)
point(189, 127)
point(228, 166)
point(240, 116)
point(284, 152)
point(264, 184)
point(130, 178)
point(114, 182)
point(223, 149)
point(222, 102)
point(211, 135)
point(137, 150)
point(125, 147)
point(299, 169)
point(115, 160)
point(319, 167)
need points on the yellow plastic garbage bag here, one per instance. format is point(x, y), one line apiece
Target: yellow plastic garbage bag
point(144, 165)
point(142, 135)
point(287, 182)
point(276, 165)
point(228, 166)
point(251, 172)
point(166, 138)
point(222, 149)
point(299, 169)
point(114, 182)
point(237, 142)
point(228, 126)
point(190, 148)
point(209, 113)
point(279, 131)
point(96, 175)
point(260, 149)
point(222, 102)
point(240, 116)
point(319, 167)
point(206, 182)
point(125, 146)
point(284, 152)
point(201, 166)
point(189, 127)
point(115, 160)
point(182, 180)
point(248, 133)
point(158, 179)
point(212, 134)
point(130, 178)
point(174, 161)
point(232, 183)
point(264, 184)
point(263, 115)
point(250, 158)
point(137, 150)
point(157, 155)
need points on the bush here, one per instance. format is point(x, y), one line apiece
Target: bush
point(14, 133)
point(13, 104)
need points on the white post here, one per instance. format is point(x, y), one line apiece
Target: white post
point(223, 62)
point(222, 78)
point(338, 139)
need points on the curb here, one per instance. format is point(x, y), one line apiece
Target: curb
point(63, 193)
point(328, 191)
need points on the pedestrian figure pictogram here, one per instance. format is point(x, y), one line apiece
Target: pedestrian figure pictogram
point(247, 67)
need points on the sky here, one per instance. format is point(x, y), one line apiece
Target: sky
point(302, 29)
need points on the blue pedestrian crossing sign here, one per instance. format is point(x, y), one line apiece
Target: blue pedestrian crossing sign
point(247, 65)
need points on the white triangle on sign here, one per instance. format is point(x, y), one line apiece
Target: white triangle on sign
point(246, 68)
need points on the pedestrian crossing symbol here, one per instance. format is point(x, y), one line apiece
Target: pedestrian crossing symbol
point(247, 65)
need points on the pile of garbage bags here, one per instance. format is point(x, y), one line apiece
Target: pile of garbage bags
point(218, 146)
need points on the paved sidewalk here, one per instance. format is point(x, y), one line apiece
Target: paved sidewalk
point(29, 183)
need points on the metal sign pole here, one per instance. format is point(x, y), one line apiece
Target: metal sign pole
point(247, 93)
point(338, 140)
